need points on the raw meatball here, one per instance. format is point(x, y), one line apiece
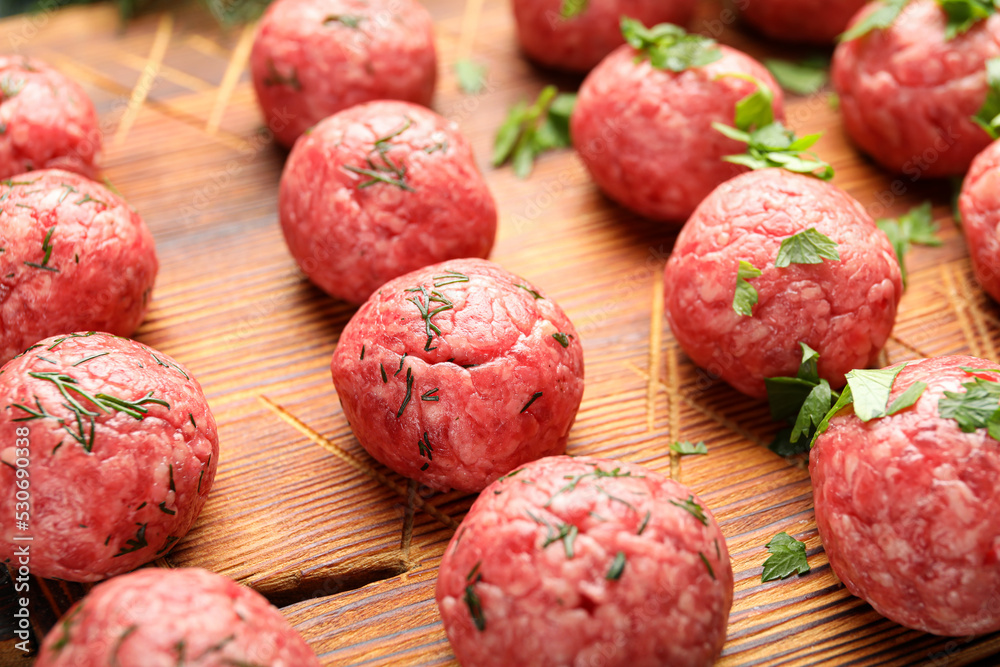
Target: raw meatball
point(457, 373)
point(313, 58)
point(906, 506)
point(579, 43)
point(120, 450)
point(585, 561)
point(646, 134)
point(46, 120)
point(165, 618)
point(844, 309)
point(908, 94)
point(979, 205)
point(379, 190)
point(807, 21)
point(75, 256)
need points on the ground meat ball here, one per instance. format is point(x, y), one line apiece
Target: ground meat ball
point(46, 120)
point(906, 506)
point(579, 43)
point(808, 21)
point(843, 309)
point(75, 256)
point(313, 58)
point(350, 234)
point(646, 134)
point(491, 378)
point(171, 618)
point(123, 450)
point(585, 561)
point(908, 94)
point(979, 205)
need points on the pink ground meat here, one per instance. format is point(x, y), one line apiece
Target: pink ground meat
point(75, 256)
point(845, 309)
point(580, 42)
point(585, 561)
point(979, 205)
point(351, 233)
point(908, 94)
point(46, 120)
point(646, 134)
point(808, 21)
point(907, 507)
point(313, 58)
point(122, 454)
point(459, 398)
point(171, 618)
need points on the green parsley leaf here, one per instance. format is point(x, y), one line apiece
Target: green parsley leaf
point(530, 131)
point(554, 130)
point(756, 110)
point(972, 370)
point(870, 389)
point(788, 556)
point(809, 366)
point(975, 408)
point(782, 444)
point(814, 409)
point(802, 78)
point(907, 398)
point(775, 145)
point(471, 75)
point(845, 399)
point(963, 14)
point(745, 297)
point(915, 227)
point(508, 134)
point(880, 19)
point(669, 47)
point(803, 400)
point(806, 247)
point(685, 448)
point(786, 396)
point(572, 8)
point(988, 116)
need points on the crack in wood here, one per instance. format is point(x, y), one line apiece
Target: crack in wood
point(287, 588)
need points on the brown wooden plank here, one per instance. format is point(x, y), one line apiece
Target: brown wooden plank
point(330, 527)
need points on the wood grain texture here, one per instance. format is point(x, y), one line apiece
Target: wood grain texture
point(343, 543)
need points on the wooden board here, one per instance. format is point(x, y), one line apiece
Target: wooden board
point(301, 513)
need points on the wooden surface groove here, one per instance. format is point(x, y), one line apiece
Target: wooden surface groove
point(304, 515)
